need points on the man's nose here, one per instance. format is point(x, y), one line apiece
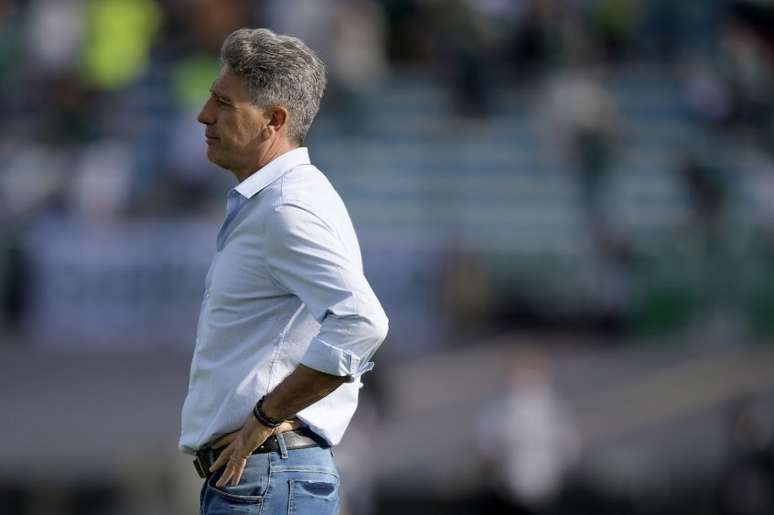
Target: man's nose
point(207, 114)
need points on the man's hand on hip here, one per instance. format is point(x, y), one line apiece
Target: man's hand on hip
point(302, 388)
point(238, 446)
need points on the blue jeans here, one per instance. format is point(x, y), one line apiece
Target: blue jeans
point(296, 481)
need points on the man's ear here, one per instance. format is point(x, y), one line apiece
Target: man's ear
point(278, 119)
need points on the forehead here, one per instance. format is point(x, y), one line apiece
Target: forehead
point(229, 85)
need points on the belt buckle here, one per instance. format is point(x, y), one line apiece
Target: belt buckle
point(199, 468)
point(203, 462)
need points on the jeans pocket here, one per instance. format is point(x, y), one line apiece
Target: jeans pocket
point(251, 488)
point(313, 496)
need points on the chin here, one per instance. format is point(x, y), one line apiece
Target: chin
point(214, 158)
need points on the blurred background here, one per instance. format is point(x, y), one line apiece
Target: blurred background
point(565, 206)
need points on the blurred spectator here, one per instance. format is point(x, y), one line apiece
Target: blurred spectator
point(762, 200)
point(358, 60)
point(56, 31)
point(582, 117)
point(469, 37)
point(32, 181)
point(467, 294)
point(747, 67)
point(14, 284)
point(708, 191)
point(10, 32)
point(707, 94)
point(100, 190)
point(747, 486)
point(531, 45)
point(528, 437)
point(613, 22)
point(118, 40)
point(408, 37)
point(718, 261)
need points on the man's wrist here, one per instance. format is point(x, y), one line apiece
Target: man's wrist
point(260, 414)
point(275, 409)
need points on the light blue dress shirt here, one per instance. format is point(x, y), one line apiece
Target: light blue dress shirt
point(286, 286)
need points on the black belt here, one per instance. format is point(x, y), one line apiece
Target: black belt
point(301, 438)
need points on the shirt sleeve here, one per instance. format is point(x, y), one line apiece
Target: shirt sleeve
point(306, 257)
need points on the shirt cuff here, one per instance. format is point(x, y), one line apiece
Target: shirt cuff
point(326, 358)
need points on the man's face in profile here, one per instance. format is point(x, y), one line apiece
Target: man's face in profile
point(233, 122)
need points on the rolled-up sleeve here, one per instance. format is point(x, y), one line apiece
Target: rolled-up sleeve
point(307, 257)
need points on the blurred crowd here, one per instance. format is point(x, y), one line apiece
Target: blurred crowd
point(100, 98)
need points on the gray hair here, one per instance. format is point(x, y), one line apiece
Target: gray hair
point(279, 70)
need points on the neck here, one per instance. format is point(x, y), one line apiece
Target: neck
point(265, 156)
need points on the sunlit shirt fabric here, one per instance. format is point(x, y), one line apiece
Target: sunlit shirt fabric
point(285, 286)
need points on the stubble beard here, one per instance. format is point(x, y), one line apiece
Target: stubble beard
point(217, 158)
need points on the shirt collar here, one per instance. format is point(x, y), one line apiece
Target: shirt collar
point(273, 171)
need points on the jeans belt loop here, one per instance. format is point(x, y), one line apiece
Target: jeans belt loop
point(282, 445)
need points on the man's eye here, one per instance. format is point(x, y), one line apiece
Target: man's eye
point(219, 100)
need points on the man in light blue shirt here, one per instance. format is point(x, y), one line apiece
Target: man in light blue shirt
point(288, 322)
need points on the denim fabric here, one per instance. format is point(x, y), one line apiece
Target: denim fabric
point(298, 481)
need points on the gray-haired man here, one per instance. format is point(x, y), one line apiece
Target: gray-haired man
point(288, 322)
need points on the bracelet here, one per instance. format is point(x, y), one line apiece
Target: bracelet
point(261, 416)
